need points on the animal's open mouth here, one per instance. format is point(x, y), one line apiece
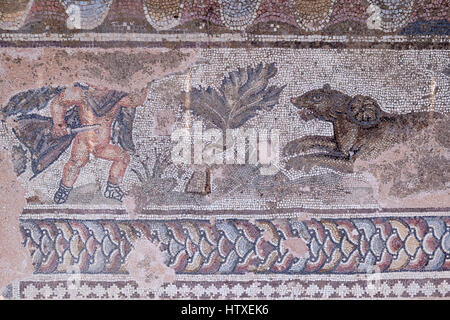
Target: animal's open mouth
point(306, 114)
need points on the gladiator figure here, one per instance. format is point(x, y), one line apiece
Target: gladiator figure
point(95, 121)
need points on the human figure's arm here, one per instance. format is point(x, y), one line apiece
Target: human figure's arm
point(58, 109)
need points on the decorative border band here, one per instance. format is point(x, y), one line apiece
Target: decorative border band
point(291, 289)
point(202, 40)
point(236, 246)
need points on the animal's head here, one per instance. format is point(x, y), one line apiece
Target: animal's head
point(328, 105)
point(322, 103)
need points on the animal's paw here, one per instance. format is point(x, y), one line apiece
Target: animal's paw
point(290, 149)
point(293, 148)
point(300, 163)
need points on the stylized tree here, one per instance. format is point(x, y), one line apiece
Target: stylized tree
point(240, 97)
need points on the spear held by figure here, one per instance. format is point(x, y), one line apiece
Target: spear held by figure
point(82, 129)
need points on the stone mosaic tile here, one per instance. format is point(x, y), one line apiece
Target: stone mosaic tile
point(221, 149)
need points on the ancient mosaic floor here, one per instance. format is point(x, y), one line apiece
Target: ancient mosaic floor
point(224, 149)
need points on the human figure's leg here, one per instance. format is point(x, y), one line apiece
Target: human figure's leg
point(120, 160)
point(78, 159)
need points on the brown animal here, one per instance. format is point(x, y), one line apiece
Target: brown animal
point(361, 129)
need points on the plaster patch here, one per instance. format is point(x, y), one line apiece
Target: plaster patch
point(146, 265)
point(296, 246)
point(129, 70)
point(130, 206)
point(412, 174)
point(15, 261)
